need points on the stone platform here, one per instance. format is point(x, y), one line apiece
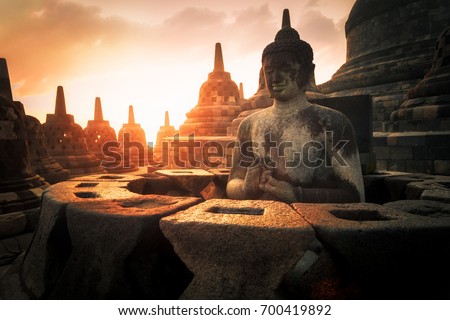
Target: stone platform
point(237, 249)
point(97, 239)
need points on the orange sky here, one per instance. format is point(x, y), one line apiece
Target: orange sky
point(151, 54)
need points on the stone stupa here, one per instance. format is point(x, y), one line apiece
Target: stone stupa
point(20, 187)
point(218, 103)
point(66, 141)
point(98, 131)
point(133, 143)
point(389, 48)
point(41, 161)
point(166, 131)
point(418, 134)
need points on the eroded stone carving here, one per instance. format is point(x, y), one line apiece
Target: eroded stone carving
point(294, 150)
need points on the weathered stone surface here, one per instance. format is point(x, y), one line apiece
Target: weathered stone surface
point(432, 188)
point(41, 161)
point(389, 253)
point(383, 63)
point(427, 110)
point(12, 247)
point(125, 255)
point(358, 109)
point(317, 276)
point(427, 208)
point(286, 152)
point(99, 240)
point(191, 180)
point(12, 224)
point(237, 249)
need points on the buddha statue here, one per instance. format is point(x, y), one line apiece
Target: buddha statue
point(294, 151)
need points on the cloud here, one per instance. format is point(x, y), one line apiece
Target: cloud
point(48, 39)
point(327, 40)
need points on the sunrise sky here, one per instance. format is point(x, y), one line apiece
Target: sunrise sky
point(151, 54)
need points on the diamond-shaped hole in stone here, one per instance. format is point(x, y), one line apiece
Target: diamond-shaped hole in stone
point(360, 215)
point(86, 185)
point(230, 210)
point(87, 194)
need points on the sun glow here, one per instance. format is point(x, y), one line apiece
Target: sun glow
point(151, 89)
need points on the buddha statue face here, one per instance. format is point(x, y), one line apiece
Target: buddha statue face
point(285, 77)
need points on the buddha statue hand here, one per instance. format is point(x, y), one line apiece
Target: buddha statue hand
point(252, 180)
point(280, 190)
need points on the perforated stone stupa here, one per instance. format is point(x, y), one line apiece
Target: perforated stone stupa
point(98, 131)
point(166, 131)
point(41, 161)
point(218, 103)
point(67, 142)
point(132, 141)
point(20, 187)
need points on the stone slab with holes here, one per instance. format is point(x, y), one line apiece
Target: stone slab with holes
point(191, 180)
point(389, 253)
point(99, 238)
point(237, 249)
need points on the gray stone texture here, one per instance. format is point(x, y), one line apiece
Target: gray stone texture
point(390, 46)
point(237, 249)
point(390, 254)
point(99, 240)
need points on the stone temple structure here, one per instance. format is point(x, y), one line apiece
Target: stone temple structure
point(41, 161)
point(98, 131)
point(166, 131)
point(389, 48)
point(20, 186)
point(417, 137)
point(66, 140)
point(218, 103)
point(133, 143)
point(202, 141)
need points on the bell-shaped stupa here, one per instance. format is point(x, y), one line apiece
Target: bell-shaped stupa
point(218, 103)
point(133, 143)
point(389, 48)
point(20, 187)
point(98, 131)
point(41, 161)
point(422, 124)
point(166, 131)
point(66, 141)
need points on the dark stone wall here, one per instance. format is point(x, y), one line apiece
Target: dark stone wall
point(390, 46)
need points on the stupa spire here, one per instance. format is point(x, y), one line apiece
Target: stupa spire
point(218, 58)
point(166, 119)
point(5, 83)
point(60, 104)
point(98, 113)
point(286, 22)
point(131, 115)
point(241, 90)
